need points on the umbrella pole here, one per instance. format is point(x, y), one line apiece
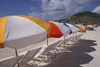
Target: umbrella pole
point(16, 52)
point(16, 55)
point(64, 41)
point(47, 42)
point(73, 35)
point(47, 39)
point(76, 33)
point(47, 51)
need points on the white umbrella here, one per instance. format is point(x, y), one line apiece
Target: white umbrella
point(18, 31)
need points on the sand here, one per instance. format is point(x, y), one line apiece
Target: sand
point(84, 54)
point(6, 53)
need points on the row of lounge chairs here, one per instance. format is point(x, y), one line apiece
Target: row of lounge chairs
point(42, 55)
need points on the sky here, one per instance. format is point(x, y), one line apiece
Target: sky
point(48, 10)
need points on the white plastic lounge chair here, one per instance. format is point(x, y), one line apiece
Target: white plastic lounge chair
point(10, 62)
point(76, 39)
point(45, 56)
point(62, 46)
point(27, 57)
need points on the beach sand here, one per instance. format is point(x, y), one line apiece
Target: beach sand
point(6, 53)
point(84, 54)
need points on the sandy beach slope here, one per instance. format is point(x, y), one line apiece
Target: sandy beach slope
point(84, 54)
point(6, 53)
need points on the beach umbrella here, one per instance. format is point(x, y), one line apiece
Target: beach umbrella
point(90, 26)
point(73, 28)
point(18, 31)
point(58, 30)
point(81, 28)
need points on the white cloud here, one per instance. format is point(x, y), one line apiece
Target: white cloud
point(35, 14)
point(83, 2)
point(60, 9)
point(42, 16)
point(32, 8)
point(35, 0)
point(97, 9)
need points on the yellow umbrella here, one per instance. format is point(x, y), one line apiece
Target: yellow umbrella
point(81, 28)
point(90, 26)
point(18, 31)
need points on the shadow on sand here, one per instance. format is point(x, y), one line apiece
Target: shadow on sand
point(77, 56)
point(91, 30)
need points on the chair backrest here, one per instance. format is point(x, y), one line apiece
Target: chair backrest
point(55, 44)
point(50, 47)
point(68, 39)
point(28, 56)
point(79, 36)
point(62, 42)
point(10, 62)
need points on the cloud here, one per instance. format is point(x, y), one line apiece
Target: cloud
point(32, 8)
point(84, 2)
point(97, 9)
point(35, 0)
point(60, 9)
point(42, 16)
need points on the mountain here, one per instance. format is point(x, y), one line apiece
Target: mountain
point(84, 18)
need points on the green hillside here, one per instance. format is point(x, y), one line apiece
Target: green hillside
point(84, 18)
point(87, 13)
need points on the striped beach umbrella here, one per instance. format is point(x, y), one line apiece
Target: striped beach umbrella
point(90, 26)
point(18, 31)
point(73, 28)
point(58, 30)
point(81, 28)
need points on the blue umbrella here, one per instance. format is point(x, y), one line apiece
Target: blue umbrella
point(73, 28)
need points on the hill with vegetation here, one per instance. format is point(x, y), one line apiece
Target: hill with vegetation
point(84, 18)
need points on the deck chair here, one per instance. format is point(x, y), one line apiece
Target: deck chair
point(62, 46)
point(10, 62)
point(77, 38)
point(73, 40)
point(60, 51)
point(55, 45)
point(45, 56)
point(27, 57)
point(66, 44)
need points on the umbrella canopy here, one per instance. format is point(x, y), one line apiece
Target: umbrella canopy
point(90, 26)
point(81, 28)
point(18, 31)
point(72, 27)
point(58, 30)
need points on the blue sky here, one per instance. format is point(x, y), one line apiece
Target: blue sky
point(48, 9)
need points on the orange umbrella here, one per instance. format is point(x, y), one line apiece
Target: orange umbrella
point(58, 30)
